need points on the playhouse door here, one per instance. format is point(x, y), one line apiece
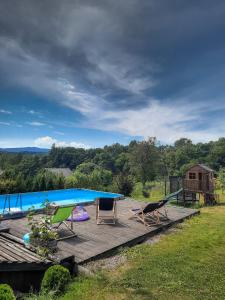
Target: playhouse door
point(200, 181)
point(207, 182)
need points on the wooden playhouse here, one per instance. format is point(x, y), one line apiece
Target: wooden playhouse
point(198, 180)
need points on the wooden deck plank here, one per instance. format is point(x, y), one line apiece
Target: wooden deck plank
point(20, 252)
point(15, 255)
point(5, 256)
point(95, 240)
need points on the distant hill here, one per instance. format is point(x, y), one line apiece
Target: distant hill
point(25, 150)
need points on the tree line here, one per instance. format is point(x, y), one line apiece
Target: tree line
point(114, 168)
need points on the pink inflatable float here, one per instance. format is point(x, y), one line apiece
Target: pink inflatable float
point(79, 214)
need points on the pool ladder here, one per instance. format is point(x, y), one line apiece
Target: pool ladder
point(7, 203)
point(19, 200)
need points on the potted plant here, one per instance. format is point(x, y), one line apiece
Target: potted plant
point(42, 237)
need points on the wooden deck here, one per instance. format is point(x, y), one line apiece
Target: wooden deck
point(20, 267)
point(15, 257)
point(94, 241)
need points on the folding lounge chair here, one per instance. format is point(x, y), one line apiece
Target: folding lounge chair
point(106, 205)
point(60, 215)
point(150, 214)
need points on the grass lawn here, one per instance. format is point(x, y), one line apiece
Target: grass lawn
point(157, 191)
point(186, 264)
point(221, 194)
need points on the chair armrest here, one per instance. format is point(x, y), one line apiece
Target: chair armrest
point(51, 208)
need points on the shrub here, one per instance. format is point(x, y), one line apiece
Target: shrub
point(6, 293)
point(146, 190)
point(146, 193)
point(56, 279)
point(124, 184)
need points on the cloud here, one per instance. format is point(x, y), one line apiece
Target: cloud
point(19, 125)
point(7, 112)
point(47, 142)
point(168, 122)
point(136, 69)
point(32, 112)
point(35, 123)
point(5, 123)
point(59, 132)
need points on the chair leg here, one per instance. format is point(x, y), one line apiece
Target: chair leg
point(165, 214)
point(97, 215)
point(69, 227)
point(154, 216)
point(157, 218)
point(140, 216)
point(57, 226)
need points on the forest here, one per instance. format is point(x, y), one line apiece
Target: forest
point(115, 168)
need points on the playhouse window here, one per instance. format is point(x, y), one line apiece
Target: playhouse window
point(192, 176)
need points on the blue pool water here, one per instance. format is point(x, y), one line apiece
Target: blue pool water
point(26, 201)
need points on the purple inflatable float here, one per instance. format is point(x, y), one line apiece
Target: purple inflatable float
point(79, 215)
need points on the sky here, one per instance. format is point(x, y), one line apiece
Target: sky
point(91, 73)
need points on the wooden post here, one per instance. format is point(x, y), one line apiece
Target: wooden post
point(165, 188)
point(184, 197)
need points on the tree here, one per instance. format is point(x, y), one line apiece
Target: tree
point(143, 160)
point(77, 180)
point(216, 156)
point(60, 182)
point(7, 186)
point(87, 168)
point(89, 175)
point(182, 142)
point(20, 183)
point(100, 179)
point(221, 178)
point(123, 184)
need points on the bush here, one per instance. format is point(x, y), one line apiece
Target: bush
point(124, 184)
point(6, 293)
point(56, 279)
point(145, 193)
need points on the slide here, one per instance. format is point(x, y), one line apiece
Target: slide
point(172, 195)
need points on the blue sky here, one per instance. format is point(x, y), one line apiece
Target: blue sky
point(90, 73)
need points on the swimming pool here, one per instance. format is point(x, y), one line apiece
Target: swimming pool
point(14, 203)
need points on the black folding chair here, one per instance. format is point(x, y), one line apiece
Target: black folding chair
point(151, 213)
point(103, 208)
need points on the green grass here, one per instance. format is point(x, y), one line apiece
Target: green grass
point(157, 191)
point(221, 194)
point(186, 264)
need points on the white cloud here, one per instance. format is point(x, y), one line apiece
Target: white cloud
point(167, 121)
point(59, 132)
point(123, 71)
point(5, 123)
point(47, 142)
point(3, 111)
point(35, 123)
point(32, 112)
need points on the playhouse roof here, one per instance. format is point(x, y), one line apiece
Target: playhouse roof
point(206, 168)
